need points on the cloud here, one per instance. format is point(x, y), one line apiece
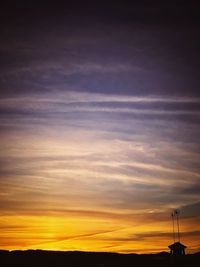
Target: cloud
point(154, 235)
point(59, 103)
point(115, 161)
point(191, 209)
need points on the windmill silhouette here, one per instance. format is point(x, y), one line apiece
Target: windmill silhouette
point(176, 248)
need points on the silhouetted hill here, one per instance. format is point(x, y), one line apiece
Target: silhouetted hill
point(42, 258)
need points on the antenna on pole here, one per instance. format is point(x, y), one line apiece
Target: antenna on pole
point(172, 215)
point(176, 213)
point(176, 248)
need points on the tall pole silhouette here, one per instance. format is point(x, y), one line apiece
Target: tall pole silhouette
point(177, 212)
point(172, 215)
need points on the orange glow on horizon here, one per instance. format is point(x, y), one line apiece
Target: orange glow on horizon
point(88, 234)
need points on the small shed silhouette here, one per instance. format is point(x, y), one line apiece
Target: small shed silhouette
point(177, 248)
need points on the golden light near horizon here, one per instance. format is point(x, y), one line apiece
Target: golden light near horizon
point(91, 233)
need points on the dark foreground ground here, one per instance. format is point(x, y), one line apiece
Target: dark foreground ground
point(39, 258)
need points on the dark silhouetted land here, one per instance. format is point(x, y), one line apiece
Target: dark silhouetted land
point(42, 258)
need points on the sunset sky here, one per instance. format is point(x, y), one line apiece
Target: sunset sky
point(100, 125)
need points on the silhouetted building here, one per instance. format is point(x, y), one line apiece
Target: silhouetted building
point(177, 248)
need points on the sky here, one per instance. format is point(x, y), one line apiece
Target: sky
point(100, 125)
